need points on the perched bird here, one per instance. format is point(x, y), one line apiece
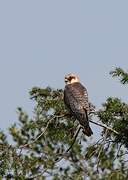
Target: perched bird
point(76, 99)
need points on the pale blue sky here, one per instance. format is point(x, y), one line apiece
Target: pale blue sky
point(41, 40)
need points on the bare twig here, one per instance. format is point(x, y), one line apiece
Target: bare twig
point(77, 132)
point(104, 126)
point(74, 139)
point(94, 151)
point(118, 151)
point(98, 141)
point(40, 174)
point(101, 149)
point(27, 144)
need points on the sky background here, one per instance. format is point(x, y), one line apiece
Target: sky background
point(41, 41)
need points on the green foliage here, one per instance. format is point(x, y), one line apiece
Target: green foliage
point(115, 114)
point(46, 144)
point(118, 72)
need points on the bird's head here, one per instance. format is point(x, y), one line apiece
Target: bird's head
point(71, 78)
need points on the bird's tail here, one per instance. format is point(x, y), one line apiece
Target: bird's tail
point(84, 121)
point(87, 131)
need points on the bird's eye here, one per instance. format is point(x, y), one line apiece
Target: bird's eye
point(72, 77)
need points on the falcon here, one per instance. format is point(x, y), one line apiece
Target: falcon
point(76, 100)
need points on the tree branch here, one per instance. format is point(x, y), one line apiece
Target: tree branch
point(101, 149)
point(104, 126)
point(77, 132)
point(74, 139)
point(27, 144)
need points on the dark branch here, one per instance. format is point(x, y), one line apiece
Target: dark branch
point(104, 126)
point(74, 139)
point(44, 131)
